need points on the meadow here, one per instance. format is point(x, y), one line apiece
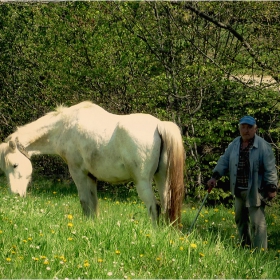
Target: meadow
point(45, 235)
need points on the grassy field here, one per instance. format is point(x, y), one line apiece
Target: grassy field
point(46, 236)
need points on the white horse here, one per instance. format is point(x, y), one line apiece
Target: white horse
point(98, 145)
point(16, 166)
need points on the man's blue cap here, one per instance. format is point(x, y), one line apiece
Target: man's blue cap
point(248, 120)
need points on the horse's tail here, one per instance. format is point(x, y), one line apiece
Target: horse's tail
point(173, 155)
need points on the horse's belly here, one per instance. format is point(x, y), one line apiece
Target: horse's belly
point(114, 174)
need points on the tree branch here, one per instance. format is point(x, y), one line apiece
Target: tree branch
point(239, 37)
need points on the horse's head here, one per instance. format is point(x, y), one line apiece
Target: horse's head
point(16, 166)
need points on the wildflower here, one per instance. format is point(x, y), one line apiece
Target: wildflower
point(35, 259)
point(148, 235)
point(141, 255)
point(110, 273)
point(8, 259)
point(194, 246)
point(48, 268)
point(206, 221)
point(171, 242)
point(70, 225)
point(181, 248)
point(29, 238)
point(216, 210)
point(69, 217)
point(181, 238)
point(232, 236)
point(117, 252)
point(69, 238)
point(54, 192)
point(201, 255)
point(1, 231)
point(158, 259)
point(24, 240)
point(86, 263)
point(46, 262)
point(99, 260)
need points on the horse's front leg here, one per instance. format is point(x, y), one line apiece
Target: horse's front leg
point(87, 190)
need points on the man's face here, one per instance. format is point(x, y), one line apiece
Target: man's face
point(247, 131)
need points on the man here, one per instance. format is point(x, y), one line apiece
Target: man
point(253, 181)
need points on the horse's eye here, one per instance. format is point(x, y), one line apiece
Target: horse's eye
point(15, 165)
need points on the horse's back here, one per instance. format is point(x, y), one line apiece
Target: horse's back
point(127, 145)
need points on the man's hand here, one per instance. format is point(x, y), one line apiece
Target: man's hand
point(271, 195)
point(212, 183)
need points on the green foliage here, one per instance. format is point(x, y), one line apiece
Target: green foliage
point(157, 57)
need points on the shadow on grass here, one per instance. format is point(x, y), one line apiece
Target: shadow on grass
point(58, 186)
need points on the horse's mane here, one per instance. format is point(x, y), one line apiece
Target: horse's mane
point(32, 131)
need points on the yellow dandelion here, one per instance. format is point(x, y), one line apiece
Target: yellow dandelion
point(46, 262)
point(99, 260)
point(194, 246)
point(206, 221)
point(117, 252)
point(1, 231)
point(171, 242)
point(216, 210)
point(141, 255)
point(29, 238)
point(35, 259)
point(158, 258)
point(181, 238)
point(54, 192)
point(70, 217)
point(24, 240)
point(181, 248)
point(70, 225)
point(8, 259)
point(86, 264)
point(148, 235)
point(69, 238)
point(193, 208)
point(232, 236)
point(201, 255)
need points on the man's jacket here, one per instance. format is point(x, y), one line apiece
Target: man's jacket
point(262, 168)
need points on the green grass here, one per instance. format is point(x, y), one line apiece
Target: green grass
point(46, 236)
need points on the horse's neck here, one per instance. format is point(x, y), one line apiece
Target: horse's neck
point(36, 137)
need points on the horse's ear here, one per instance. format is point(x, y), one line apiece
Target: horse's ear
point(21, 148)
point(12, 145)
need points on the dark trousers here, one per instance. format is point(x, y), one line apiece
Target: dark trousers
point(251, 223)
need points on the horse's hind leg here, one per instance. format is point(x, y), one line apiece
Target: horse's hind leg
point(87, 190)
point(145, 192)
point(162, 186)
